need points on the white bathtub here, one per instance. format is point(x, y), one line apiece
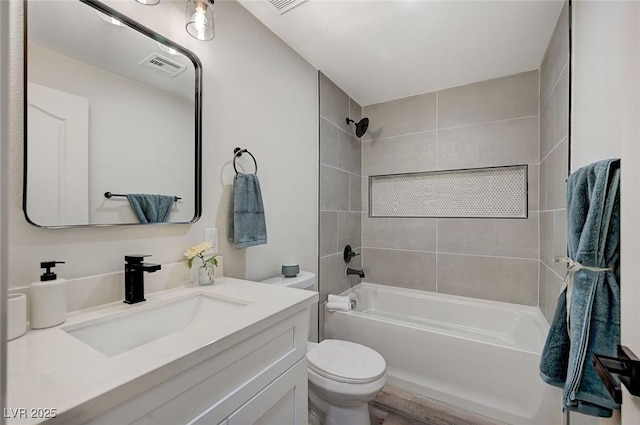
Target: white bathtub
point(479, 355)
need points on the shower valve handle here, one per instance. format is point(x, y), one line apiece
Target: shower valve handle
point(348, 254)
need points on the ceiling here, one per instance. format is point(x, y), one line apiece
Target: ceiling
point(74, 29)
point(378, 50)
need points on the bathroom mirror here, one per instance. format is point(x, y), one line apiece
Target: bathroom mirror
point(110, 106)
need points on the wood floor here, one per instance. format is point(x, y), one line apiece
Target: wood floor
point(394, 406)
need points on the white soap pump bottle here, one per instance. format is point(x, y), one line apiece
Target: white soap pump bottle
point(48, 298)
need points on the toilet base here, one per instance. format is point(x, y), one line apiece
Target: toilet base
point(348, 415)
point(316, 415)
point(323, 413)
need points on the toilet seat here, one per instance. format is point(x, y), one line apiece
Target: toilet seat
point(346, 362)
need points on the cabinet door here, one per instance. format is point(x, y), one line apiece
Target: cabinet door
point(283, 402)
point(215, 388)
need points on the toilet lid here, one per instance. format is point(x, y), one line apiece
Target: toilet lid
point(345, 361)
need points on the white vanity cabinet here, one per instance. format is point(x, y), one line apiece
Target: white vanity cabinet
point(239, 358)
point(260, 380)
point(283, 402)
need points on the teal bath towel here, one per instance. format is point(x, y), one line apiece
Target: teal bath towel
point(593, 237)
point(246, 222)
point(151, 208)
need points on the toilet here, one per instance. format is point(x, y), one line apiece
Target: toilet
point(343, 376)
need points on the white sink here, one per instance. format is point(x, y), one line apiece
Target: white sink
point(118, 333)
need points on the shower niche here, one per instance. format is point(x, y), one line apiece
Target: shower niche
point(493, 192)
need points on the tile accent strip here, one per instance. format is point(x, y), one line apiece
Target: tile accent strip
point(497, 192)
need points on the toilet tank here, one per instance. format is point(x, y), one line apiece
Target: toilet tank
point(304, 280)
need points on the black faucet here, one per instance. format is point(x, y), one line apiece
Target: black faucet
point(350, 271)
point(134, 270)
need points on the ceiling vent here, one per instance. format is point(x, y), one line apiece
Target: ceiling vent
point(162, 65)
point(283, 6)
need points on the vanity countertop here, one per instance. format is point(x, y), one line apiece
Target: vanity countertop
point(51, 369)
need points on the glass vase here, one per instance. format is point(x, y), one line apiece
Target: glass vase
point(206, 274)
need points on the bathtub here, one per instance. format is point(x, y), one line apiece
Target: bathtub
point(478, 355)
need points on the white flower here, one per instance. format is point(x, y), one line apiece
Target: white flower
point(198, 250)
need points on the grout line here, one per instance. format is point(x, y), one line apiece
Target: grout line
point(553, 88)
point(398, 135)
point(539, 177)
point(489, 256)
point(489, 122)
point(437, 167)
point(451, 253)
point(553, 236)
point(539, 104)
point(335, 125)
point(437, 129)
point(398, 249)
point(343, 211)
point(340, 169)
point(319, 323)
point(339, 252)
point(337, 148)
point(539, 284)
point(539, 187)
point(349, 192)
point(539, 138)
point(437, 254)
point(552, 270)
point(566, 137)
point(556, 210)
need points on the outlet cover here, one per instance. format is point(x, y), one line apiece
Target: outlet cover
point(211, 236)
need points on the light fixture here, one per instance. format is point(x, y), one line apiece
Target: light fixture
point(109, 19)
point(148, 2)
point(200, 19)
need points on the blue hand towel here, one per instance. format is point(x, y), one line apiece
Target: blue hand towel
point(593, 236)
point(246, 222)
point(151, 208)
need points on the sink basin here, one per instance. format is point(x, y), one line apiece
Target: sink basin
point(133, 328)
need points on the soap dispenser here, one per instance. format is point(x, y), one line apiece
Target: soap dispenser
point(48, 298)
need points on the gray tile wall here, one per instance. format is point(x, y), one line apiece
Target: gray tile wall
point(518, 119)
point(489, 123)
point(340, 191)
point(554, 148)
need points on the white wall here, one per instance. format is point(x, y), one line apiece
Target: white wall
point(258, 94)
point(596, 81)
point(140, 138)
point(604, 45)
point(630, 251)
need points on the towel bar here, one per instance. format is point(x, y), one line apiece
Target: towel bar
point(110, 195)
point(626, 366)
point(237, 152)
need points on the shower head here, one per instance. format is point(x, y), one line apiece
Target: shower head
point(361, 126)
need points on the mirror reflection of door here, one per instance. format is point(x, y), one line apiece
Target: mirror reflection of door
point(58, 148)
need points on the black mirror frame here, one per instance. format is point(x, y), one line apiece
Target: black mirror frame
point(198, 113)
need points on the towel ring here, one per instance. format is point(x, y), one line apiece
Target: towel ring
point(237, 152)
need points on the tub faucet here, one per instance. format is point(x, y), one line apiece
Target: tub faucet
point(350, 271)
point(134, 270)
